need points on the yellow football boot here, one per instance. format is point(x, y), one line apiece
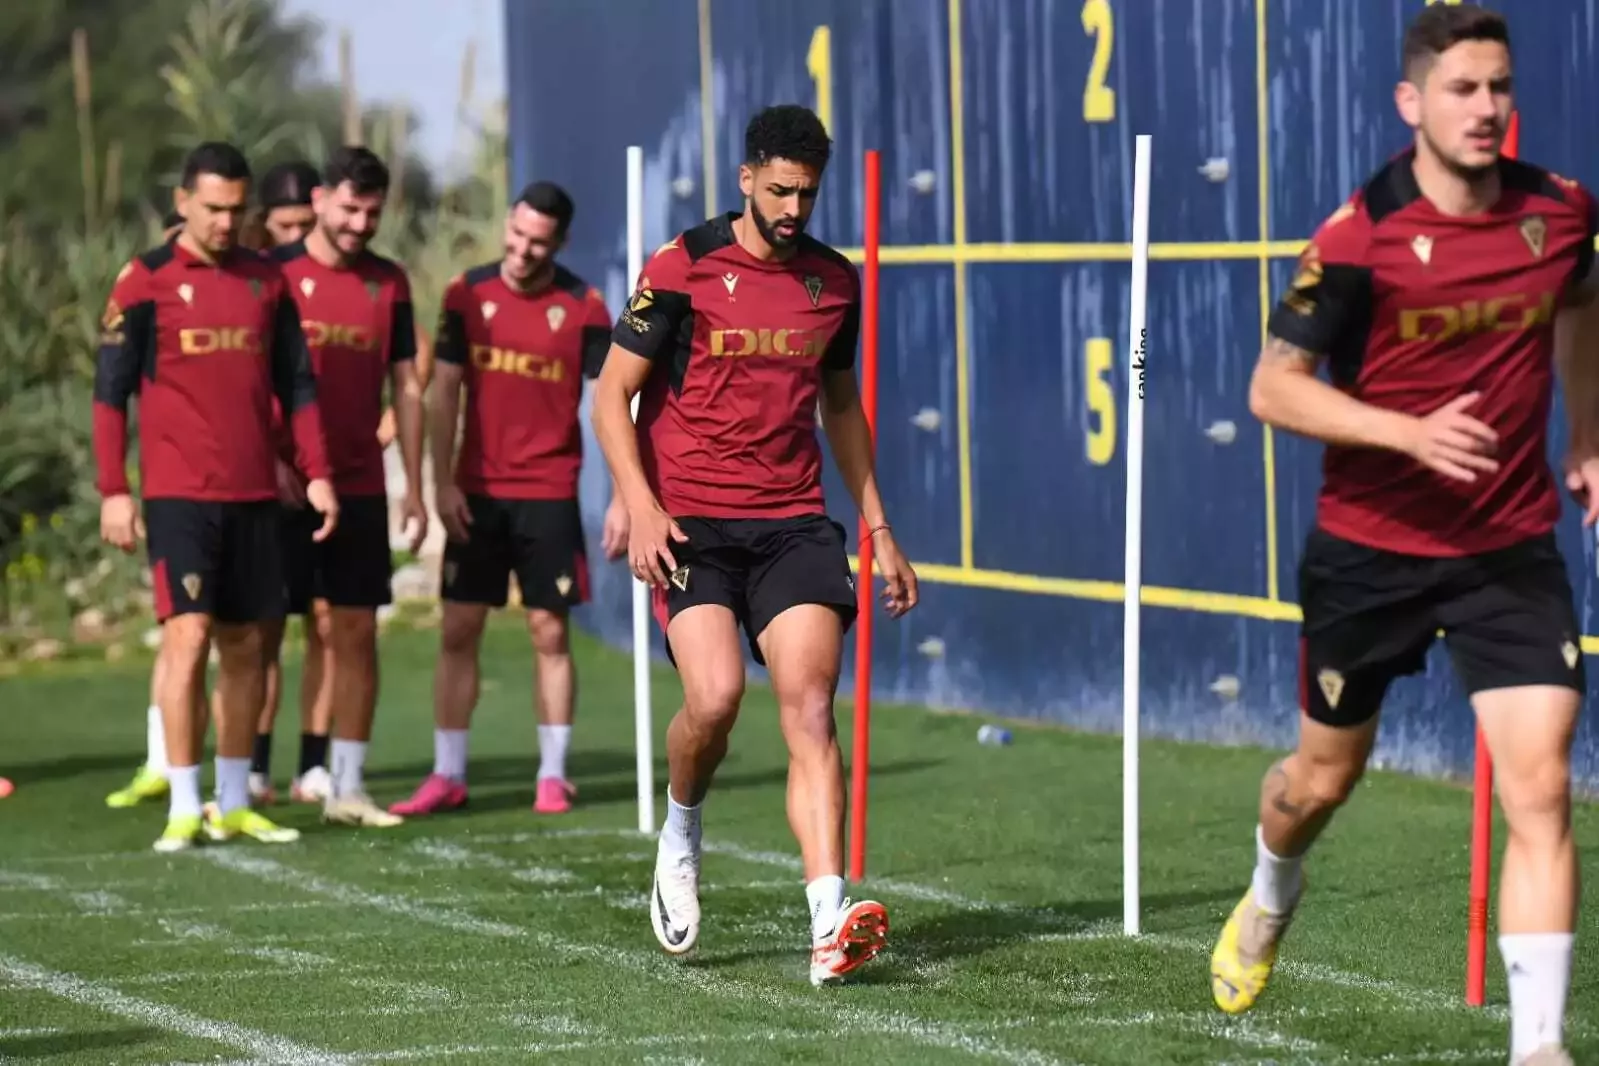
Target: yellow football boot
point(182, 833)
point(1244, 956)
point(246, 822)
point(147, 784)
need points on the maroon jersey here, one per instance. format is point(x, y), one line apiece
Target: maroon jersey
point(357, 322)
point(727, 418)
point(207, 348)
point(1414, 308)
point(525, 358)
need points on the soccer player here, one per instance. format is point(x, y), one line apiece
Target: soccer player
point(1441, 298)
point(355, 311)
point(205, 333)
point(521, 334)
point(737, 329)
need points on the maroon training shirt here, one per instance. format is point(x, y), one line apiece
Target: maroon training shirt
point(357, 322)
point(207, 348)
point(1414, 308)
point(727, 419)
point(526, 356)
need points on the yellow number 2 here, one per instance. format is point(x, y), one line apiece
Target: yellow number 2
point(1097, 357)
point(819, 61)
point(1099, 100)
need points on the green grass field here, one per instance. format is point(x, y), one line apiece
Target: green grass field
point(502, 936)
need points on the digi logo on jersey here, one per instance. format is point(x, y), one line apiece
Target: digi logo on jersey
point(338, 335)
point(739, 343)
point(1502, 314)
point(492, 360)
point(241, 340)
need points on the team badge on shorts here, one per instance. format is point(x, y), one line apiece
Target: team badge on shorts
point(191, 585)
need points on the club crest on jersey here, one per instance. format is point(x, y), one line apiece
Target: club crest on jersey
point(307, 287)
point(186, 294)
point(555, 316)
point(489, 307)
point(1421, 244)
point(813, 286)
point(373, 289)
point(1533, 230)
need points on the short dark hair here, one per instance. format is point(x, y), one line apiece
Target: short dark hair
point(1439, 28)
point(787, 131)
point(214, 157)
point(359, 166)
point(288, 185)
point(548, 198)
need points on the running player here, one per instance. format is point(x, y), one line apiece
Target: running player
point(521, 334)
point(355, 310)
point(739, 329)
point(1441, 298)
point(205, 334)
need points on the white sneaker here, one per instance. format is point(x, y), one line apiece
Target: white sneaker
point(861, 932)
point(675, 901)
point(314, 787)
point(357, 808)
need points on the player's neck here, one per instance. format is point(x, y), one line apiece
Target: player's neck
point(318, 247)
point(1450, 192)
point(187, 242)
point(749, 238)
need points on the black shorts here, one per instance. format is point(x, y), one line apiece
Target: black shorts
point(214, 558)
point(540, 541)
point(1370, 616)
point(758, 568)
point(352, 568)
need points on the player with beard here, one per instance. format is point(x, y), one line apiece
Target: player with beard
point(355, 310)
point(1442, 297)
point(205, 334)
point(740, 329)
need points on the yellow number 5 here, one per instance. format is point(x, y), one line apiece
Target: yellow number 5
point(1097, 357)
point(819, 61)
point(1099, 100)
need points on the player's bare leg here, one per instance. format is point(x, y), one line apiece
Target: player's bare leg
point(185, 647)
point(802, 647)
point(710, 661)
point(241, 684)
point(455, 693)
point(150, 779)
point(353, 643)
point(1529, 731)
point(261, 790)
point(1298, 798)
point(312, 783)
point(557, 700)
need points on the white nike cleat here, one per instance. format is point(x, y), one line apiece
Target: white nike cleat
point(675, 902)
point(861, 932)
point(314, 786)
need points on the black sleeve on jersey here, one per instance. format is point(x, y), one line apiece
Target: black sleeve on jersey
point(655, 323)
point(840, 354)
point(449, 343)
point(402, 332)
point(596, 343)
point(1584, 272)
point(1326, 309)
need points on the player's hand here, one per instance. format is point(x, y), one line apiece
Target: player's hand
point(319, 493)
point(1453, 443)
point(120, 525)
point(386, 428)
point(1582, 480)
point(453, 512)
point(414, 517)
point(617, 523)
point(899, 592)
point(291, 486)
point(649, 544)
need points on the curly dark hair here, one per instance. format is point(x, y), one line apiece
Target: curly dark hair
point(787, 131)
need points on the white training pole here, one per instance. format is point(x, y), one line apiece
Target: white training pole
point(1135, 534)
point(643, 724)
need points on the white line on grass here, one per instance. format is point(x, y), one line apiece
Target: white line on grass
point(262, 1047)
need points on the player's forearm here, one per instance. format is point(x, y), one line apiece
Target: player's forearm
point(850, 440)
point(618, 437)
point(408, 419)
point(445, 410)
point(1303, 404)
point(1577, 361)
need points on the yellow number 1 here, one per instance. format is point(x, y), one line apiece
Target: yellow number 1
point(819, 61)
point(1097, 357)
point(1099, 100)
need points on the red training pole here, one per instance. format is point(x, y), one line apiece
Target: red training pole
point(859, 762)
point(1482, 794)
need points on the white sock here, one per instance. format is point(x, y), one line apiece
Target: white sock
point(552, 750)
point(184, 798)
point(826, 897)
point(1277, 880)
point(1538, 967)
point(155, 740)
point(681, 834)
point(449, 753)
point(349, 766)
point(233, 784)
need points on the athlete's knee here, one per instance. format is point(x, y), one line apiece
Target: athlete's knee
point(806, 712)
point(319, 627)
point(460, 629)
point(711, 697)
point(351, 631)
point(239, 647)
point(184, 639)
point(549, 632)
point(1311, 783)
point(1537, 798)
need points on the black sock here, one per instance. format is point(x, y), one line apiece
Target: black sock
point(261, 758)
point(313, 751)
